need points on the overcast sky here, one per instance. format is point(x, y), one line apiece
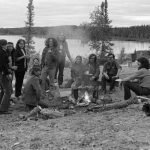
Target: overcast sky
point(73, 12)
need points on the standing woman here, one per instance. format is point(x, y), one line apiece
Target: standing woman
point(49, 63)
point(21, 63)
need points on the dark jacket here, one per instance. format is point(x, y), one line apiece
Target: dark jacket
point(111, 68)
point(20, 63)
point(4, 67)
point(12, 55)
point(32, 91)
point(49, 57)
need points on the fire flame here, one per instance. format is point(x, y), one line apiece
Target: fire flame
point(87, 97)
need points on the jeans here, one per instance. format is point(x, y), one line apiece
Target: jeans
point(136, 88)
point(60, 67)
point(111, 80)
point(6, 85)
point(47, 72)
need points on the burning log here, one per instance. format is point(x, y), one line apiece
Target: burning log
point(84, 100)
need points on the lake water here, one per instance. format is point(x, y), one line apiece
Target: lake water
point(77, 48)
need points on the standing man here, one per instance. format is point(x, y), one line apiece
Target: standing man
point(63, 51)
point(5, 77)
point(110, 73)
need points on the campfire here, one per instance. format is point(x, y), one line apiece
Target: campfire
point(85, 99)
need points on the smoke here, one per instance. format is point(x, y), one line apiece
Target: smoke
point(69, 31)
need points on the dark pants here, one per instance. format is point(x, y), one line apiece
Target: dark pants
point(136, 88)
point(6, 85)
point(1, 92)
point(111, 81)
point(19, 82)
point(60, 67)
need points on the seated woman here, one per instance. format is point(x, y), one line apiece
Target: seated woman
point(32, 90)
point(143, 76)
point(93, 70)
point(77, 71)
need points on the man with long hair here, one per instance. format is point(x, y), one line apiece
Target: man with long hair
point(63, 51)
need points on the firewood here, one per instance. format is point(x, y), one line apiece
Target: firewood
point(116, 105)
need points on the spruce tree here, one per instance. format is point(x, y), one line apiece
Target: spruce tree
point(29, 27)
point(100, 29)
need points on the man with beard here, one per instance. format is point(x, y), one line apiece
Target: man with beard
point(110, 73)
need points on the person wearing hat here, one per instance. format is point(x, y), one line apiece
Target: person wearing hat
point(32, 89)
point(5, 77)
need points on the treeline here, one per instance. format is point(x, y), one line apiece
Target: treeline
point(132, 33)
point(141, 33)
point(70, 31)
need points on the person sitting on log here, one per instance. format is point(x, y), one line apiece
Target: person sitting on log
point(92, 73)
point(142, 87)
point(110, 73)
point(77, 71)
point(32, 90)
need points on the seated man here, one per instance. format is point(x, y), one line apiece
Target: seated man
point(110, 73)
point(32, 90)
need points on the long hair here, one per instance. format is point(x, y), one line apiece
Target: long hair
point(144, 63)
point(95, 60)
point(17, 44)
point(54, 42)
point(78, 57)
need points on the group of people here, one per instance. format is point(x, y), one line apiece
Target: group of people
point(48, 70)
point(14, 62)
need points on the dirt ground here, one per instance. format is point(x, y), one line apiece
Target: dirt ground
point(124, 129)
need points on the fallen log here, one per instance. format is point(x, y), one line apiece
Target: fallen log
point(116, 105)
